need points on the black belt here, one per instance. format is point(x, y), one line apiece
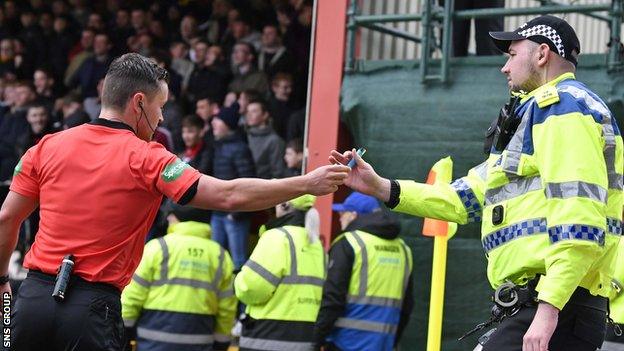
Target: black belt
point(582, 297)
point(75, 282)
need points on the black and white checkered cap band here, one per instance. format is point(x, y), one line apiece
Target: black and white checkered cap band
point(545, 31)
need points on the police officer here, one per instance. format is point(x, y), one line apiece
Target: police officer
point(616, 306)
point(367, 297)
point(549, 197)
point(181, 296)
point(282, 280)
point(99, 187)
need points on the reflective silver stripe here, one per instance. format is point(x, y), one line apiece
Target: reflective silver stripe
point(374, 300)
point(293, 251)
point(263, 272)
point(364, 267)
point(219, 273)
point(294, 277)
point(576, 189)
point(406, 273)
point(188, 339)
point(481, 170)
point(514, 149)
point(272, 345)
point(129, 323)
point(164, 265)
point(140, 280)
point(366, 325)
point(225, 293)
point(515, 188)
point(303, 279)
point(222, 337)
point(615, 179)
point(193, 283)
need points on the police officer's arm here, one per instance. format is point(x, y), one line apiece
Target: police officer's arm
point(134, 295)
point(227, 306)
point(335, 289)
point(568, 146)
point(251, 194)
point(261, 275)
point(15, 209)
point(460, 202)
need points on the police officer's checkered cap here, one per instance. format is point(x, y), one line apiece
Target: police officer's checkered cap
point(547, 29)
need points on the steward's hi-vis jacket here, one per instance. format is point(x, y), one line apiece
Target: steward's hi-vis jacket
point(281, 284)
point(181, 296)
point(550, 203)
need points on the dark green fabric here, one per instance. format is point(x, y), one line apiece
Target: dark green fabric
point(407, 126)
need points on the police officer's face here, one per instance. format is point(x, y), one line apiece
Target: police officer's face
point(520, 67)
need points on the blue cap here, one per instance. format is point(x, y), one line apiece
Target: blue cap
point(357, 202)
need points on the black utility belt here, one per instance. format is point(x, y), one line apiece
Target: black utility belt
point(75, 282)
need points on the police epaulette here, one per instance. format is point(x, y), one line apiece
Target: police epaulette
point(546, 96)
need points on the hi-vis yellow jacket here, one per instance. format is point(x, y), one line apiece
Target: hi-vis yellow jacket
point(550, 203)
point(182, 291)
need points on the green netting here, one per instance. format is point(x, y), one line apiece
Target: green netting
point(407, 126)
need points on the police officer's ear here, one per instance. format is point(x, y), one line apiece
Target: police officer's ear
point(543, 52)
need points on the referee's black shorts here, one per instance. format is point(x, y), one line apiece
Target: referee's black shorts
point(88, 319)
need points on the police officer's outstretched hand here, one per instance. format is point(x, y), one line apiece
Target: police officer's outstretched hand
point(326, 179)
point(541, 329)
point(362, 177)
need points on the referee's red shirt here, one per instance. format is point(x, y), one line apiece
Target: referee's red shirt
point(99, 189)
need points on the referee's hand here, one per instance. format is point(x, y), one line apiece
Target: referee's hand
point(326, 179)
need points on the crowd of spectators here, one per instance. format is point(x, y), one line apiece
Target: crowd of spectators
point(238, 76)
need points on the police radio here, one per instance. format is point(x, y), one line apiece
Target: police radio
point(62, 278)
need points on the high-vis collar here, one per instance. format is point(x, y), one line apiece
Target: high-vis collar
point(190, 228)
point(552, 83)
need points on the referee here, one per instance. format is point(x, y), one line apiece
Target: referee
point(99, 187)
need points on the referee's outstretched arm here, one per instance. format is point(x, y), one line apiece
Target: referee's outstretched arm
point(250, 194)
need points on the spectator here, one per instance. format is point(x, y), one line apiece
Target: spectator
point(280, 106)
point(44, 87)
point(294, 157)
point(206, 108)
point(273, 56)
point(267, 148)
point(461, 28)
point(296, 125)
point(205, 80)
point(13, 126)
point(246, 76)
point(138, 20)
point(72, 111)
point(197, 153)
point(93, 68)
point(61, 43)
point(9, 65)
point(93, 105)
point(31, 36)
point(80, 53)
point(217, 23)
point(188, 28)
point(232, 159)
point(96, 22)
point(179, 63)
point(40, 124)
point(122, 30)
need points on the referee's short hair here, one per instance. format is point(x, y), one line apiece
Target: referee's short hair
point(129, 74)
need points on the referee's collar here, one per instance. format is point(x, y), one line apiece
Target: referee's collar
point(111, 124)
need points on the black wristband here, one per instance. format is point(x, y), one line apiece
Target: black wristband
point(4, 279)
point(395, 191)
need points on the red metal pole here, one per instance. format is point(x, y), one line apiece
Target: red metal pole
point(324, 106)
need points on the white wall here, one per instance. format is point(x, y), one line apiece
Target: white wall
point(593, 34)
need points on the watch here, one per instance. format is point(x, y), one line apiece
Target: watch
point(4, 279)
